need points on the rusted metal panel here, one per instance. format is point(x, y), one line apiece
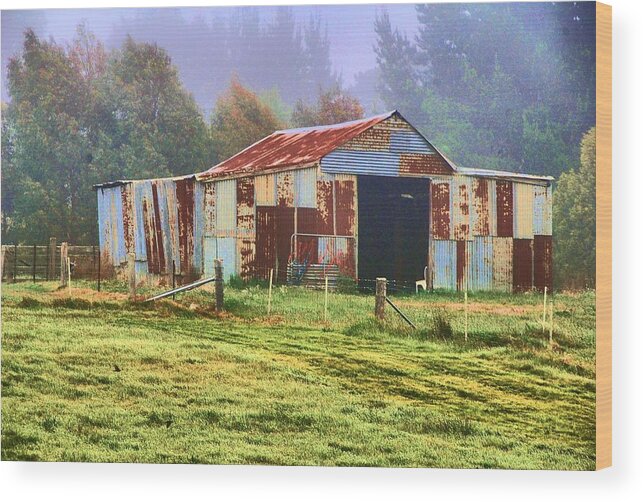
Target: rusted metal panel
point(210, 209)
point(284, 229)
point(464, 265)
point(338, 251)
point(482, 207)
point(482, 264)
point(140, 192)
point(246, 207)
point(198, 224)
point(286, 189)
point(422, 164)
point(523, 265)
point(503, 264)
point(246, 258)
point(307, 245)
point(226, 208)
point(444, 254)
point(460, 207)
point(266, 247)
point(345, 196)
point(408, 142)
point(306, 187)
point(128, 213)
point(440, 210)
point(504, 208)
point(152, 232)
point(325, 211)
point(542, 210)
point(266, 190)
point(293, 147)
point(372, 139)
point(185, 210)
point(523, 210)
point(169, 223)
point(543, 262)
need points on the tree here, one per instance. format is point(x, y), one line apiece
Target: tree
point(574, 216)
point(332, 107)
point(239, 120)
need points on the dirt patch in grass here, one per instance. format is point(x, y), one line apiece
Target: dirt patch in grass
point(481, 308)
point(89, 294)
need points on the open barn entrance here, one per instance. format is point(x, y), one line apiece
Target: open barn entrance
point(393, 229)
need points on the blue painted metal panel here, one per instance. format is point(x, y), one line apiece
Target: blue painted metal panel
point(209, 255)
point(222, 248)
point(163, 187)
point(362, 162)
point(198, 226)
point(142, 190)
point(409, 142)
point(306, 188)
point(110, 224)
point(542, 211)
point(482, 264)
point(444, 264)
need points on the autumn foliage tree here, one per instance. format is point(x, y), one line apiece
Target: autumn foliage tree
point(240, 119)
point(332, 107)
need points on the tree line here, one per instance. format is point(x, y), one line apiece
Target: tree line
point(480, 81)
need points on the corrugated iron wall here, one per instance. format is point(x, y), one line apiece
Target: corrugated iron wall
point(390, 148)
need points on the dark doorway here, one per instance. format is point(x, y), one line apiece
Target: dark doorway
point(393, 229)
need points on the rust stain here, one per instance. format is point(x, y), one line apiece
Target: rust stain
point(325, 206)
point(210, 207)
point(246, 206)
point(247, 258)
point(505, 202)
point(286, 189)
point(423, 163)
point(461, 264)
point(266, 241)
point(307, 224)
point(158, 231)
point(371, 139)
point(345, 205)
point(543, 262)
point(482, 224)
point(440, 213)
point(522, 265)
point(284, 228)
point(128, 227)
point(461, 216)
point(185, 207)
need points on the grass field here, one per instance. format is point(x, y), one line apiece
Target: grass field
point(95, 378)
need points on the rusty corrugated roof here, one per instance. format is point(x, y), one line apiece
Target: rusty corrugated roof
point(292, 147)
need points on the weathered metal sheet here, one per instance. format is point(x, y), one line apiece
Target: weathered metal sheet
point(266, 190)
point(523, 210)
point(543, 262)
point(286, 189)
point(199, 225)
point(210, 209)
point(373, 139)
point(542, 210)
point(460, 207)
point(338, 251)
point(503, 264)
point(523, 265)
point(284, 229)
point(361, 162)
point(246, 207)
point(246, 258)
point(306, 187)
point(152, 230)
point(306, 245)
point(504, 208)
point(293, 147)
point(185, 211)
point(444, 264)
point(169, 224)
point(405, 141)
point(226, 208)
point(482, 264)
point(325, 206)
point(128, 213)
point(345, 202)
point(222, 248)
point(111, 231)
point(140, 192)
point(464, 265)
point(266, 241)
point(417, 164)
point(483, 207)
point(440, 210)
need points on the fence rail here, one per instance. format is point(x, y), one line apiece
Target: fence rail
point(42, 263)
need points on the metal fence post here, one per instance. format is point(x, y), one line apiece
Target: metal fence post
point(380, 297)
point(218, 285)
point(131, 273)
point(63, 264)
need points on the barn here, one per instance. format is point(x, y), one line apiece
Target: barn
point(362, 199)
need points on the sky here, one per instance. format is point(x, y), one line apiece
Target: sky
point(350, 30)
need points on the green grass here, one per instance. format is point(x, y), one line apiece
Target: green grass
point(290, 388)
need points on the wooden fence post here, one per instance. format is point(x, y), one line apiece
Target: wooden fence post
point(51, 259)
point(33, 268)
point(270, 291)
point(15, 262)
point(4, 251)
point(326, 299)
point(131, 274)
point(380, 297)
point(69, 275)
point(545, 309)
point(63, 264)
point(218, 285)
